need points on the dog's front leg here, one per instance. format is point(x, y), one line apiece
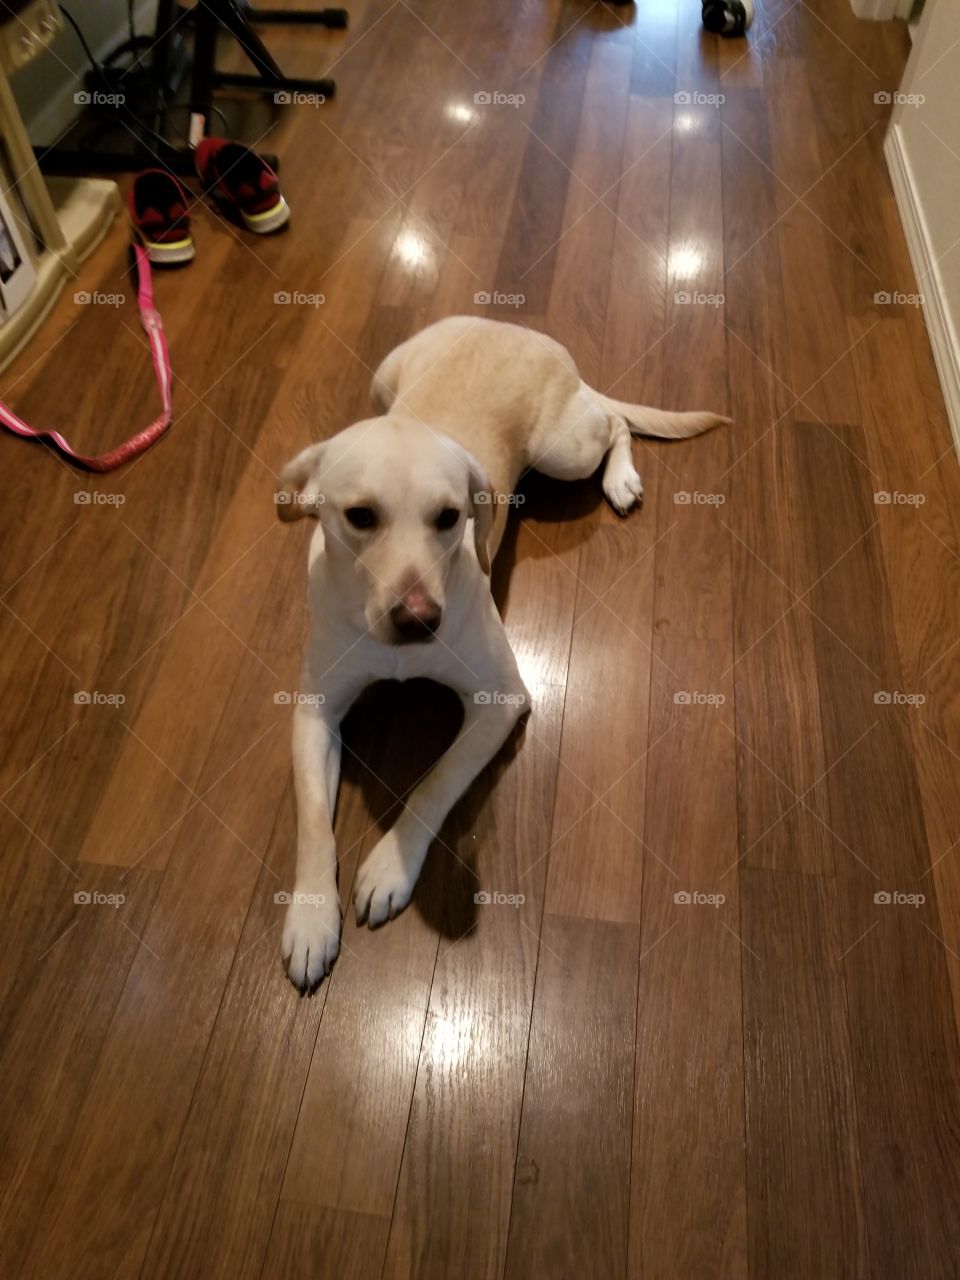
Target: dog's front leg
point(311, 932)
point(387, 877)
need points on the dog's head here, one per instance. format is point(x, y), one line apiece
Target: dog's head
point(394, 498)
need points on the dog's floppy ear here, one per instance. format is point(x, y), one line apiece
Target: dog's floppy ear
point(482, 498)
point(480, 502)
point(297, 493)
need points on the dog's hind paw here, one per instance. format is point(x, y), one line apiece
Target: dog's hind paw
point(623, 489)
point(311, 940)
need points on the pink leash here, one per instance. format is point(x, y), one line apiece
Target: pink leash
point(153, 326)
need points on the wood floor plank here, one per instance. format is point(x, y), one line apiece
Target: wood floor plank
point(598, 814)
point(780, 741)
point(632, 362)
point(78, 962)
point(696, 57)
point(537, 210)
point(615, 588)
point(432, 208)
point(690, 843)
point(923, 575)
point(740, 64)
point(116, 1163)
point(802, 1124)
point(581, 280)
point(32, 877)
point(65, 634)
point(820, 368)
point(156, 757)
point(570, 1215)
point(309, 1243)
point(688, 521)
point(688, 1113)
point(655, 56)
point(221, 1196)
point(100, 1207)
point(902, 1027)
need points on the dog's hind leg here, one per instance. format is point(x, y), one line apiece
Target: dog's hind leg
point(574, 447)
point(621, 480)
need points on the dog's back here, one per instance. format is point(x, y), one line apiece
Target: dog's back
point(485, 383)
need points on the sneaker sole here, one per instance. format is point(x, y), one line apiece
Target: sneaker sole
point(270, 220)
point(169, 253)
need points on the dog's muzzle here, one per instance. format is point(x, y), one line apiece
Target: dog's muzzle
point(415, 617)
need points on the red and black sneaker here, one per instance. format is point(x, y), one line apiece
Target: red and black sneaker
point(159, 211)
point(243, 183)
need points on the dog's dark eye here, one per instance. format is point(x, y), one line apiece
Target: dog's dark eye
point(447, 518)
point(361, 517)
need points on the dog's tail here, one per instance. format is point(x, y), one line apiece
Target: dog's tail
point(644, 421)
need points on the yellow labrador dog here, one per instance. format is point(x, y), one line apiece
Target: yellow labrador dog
point(412, 507)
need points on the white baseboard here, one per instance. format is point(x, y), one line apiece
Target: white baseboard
point(943, 335)
point(874, 10)
point(881, 10)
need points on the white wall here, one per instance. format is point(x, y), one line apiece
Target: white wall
point(44, 88)
point(923, 152)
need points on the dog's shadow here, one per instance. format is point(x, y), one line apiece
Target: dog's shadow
point(393, 736)
point(395, 733)
point(555, 513)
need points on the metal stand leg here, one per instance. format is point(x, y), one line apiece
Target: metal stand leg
point(233, 17)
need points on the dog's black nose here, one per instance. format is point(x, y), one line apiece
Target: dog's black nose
point(419, 624)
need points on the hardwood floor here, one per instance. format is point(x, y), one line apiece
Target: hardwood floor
point(718, 1036)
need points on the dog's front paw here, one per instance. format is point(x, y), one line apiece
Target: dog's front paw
point(311, 939)
point(385, 881)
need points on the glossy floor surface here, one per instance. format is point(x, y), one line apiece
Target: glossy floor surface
point(705, 1026)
